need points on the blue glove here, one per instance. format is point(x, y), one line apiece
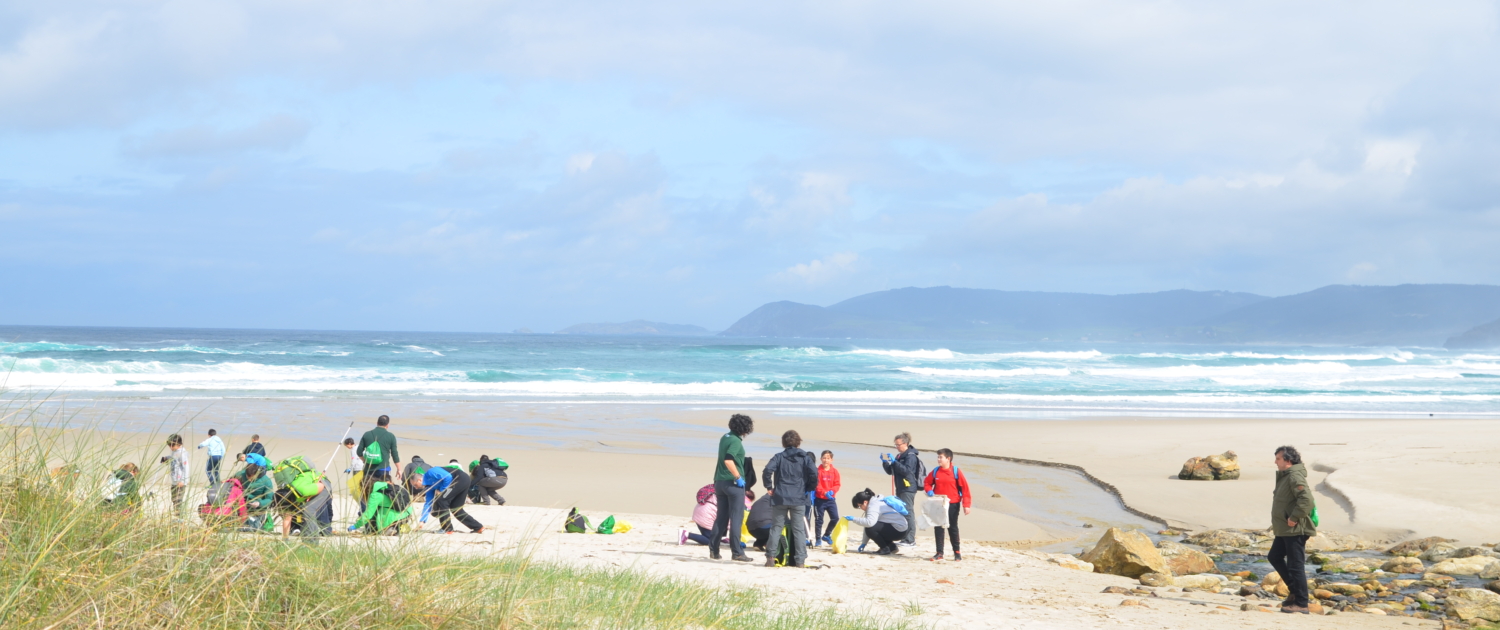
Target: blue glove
point(849, 518)
point(739, 482)
point(830, 495)
point(353, 527)
point(929, 493)
point(348, 471)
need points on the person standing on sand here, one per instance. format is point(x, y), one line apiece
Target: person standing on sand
point(377, 447)
point(215, 448)
point(906, 473)
point(1291, 521)
point(947, 480)
point(180, 464)
point(729, 488)
point(788, 477)
point(823, 499)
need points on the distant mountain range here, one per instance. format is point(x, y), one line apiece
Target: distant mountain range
point(637, 327)
point(1409, 314)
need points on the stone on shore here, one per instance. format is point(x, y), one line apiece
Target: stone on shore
point(1214, 467)
point(1236, 538)
point(1069, 562)
point(1156, 579)
point(1125, 553)
point(1469, 552)
point(1331, 541)
point(1416, 547)
point(1272, 584)
point(1403, 564)
point(1493, 586)
point(1474, 603)
point(1205, 582)
point(1185, 560)
point(1438, 552)
point(1350, 565)
point(1481, 566)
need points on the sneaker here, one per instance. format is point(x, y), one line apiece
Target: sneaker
point(936, 558)
point(714, 555)
point(885, 552)
point(906, 544)
point(681, 537)
point(742, 558)
point(828, 540)
point(957, 556)
point(479, 531)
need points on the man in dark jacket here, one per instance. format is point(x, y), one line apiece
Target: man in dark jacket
point(1291, 520)
point(790, 478)
point(906, 471)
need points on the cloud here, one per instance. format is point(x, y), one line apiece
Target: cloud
point(823, 270)
point(275, 133)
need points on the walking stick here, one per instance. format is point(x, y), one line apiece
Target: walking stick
point(336, 448)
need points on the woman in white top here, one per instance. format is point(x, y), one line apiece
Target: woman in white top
point(883, 524)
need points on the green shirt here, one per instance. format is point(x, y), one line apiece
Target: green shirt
point(730, 447)
point(389, 455)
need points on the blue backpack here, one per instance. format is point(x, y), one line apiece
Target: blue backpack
point(897, 505)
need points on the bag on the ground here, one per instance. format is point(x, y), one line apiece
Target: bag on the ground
point(607, 526)
point(622, 526)
point(784, 547)
point(934, 513)
point(576, 523)
point(840, 536)
point(897, 505)
point(372, 456)
point(745, 536)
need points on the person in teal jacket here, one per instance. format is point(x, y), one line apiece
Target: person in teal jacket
point(388, 505)
point(259, 491)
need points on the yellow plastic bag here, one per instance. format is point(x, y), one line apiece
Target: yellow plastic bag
point(357, 486)
point(622, 526)
point(745, 536)
point(840, 536)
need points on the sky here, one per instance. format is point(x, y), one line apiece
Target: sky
point(488, 166)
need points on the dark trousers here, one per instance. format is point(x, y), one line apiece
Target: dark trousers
point(213, 469)
point(910, 499)
point(884, 535)
point(1289, 557)
point(821, 506)
point(702, 536)
point(731, 503)
point(937, 532)
point(487, 487)
point(450, 505)
point(761, 535)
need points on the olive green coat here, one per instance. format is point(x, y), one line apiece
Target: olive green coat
point(1293, 500)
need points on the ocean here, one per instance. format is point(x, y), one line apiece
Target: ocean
point(837, 377)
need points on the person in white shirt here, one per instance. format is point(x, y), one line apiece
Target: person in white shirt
point(215, 448)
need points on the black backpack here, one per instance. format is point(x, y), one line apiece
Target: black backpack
point(810, 483)
point(749, 472)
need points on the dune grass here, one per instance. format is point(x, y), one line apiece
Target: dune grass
point(68, 562)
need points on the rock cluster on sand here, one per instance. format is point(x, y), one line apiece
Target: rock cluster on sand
point(1185, 560)
point(1474, 603)
point(1478, 566)
point(1126, 553)
point(1416, 547)
point(1211, 468)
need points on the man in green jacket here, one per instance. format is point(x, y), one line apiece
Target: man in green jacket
point(1291, 520)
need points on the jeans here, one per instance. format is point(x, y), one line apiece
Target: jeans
point(213, 469)
point(487, 487)
point(820, 506)
point(731, 504)
point(884, 535)
point(317, 514)
point(937, 532)
point(782, 516)
point(1289, 556)
point(702, 536)
point(910, 499)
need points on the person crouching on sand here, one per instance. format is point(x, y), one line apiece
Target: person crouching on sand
point(883, 524)
point(446, 491)
point(1291, 521)
point(949, 481)
point(704, 515)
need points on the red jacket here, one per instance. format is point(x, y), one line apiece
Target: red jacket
point(828, 481)
point(950, 483)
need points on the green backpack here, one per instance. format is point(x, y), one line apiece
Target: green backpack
point(576, 523)
point(297, 474)
point(608, 525)
point(372, 455)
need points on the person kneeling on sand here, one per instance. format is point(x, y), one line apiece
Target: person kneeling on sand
point(311, 504)
point(387, 509)
point(123, 490)
point(704, 514)
point(1292, 508)
point(883, 524)
point(260, 491)
point(446, 490)
point(758, 521)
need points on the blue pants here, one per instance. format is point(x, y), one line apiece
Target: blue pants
point(213, 469)
point(820, 506)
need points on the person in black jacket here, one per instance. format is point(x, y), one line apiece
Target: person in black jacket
point(790, 477)
point(489, 475)
point(906, 471)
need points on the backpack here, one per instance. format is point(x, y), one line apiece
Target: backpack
point(705, 494)
point(226, 501)
point(896, 504)
point(810, 484)
point(295, 474)
point(372, 456)
point(957, 474)
point(784, 547)
point(748, 474)
point(576, 523)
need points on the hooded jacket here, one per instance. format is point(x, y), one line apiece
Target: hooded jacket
point(907, 470)
point(790, 475)
point(437, 480)
point(1292, 500)
point(950, 483)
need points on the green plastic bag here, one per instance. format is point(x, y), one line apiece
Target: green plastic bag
point(608, 526)
point(1314, 516)
point(576, 523)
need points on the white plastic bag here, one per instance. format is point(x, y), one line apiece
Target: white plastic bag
point(934, 512)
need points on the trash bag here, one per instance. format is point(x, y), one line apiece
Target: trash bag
point(576, 523)
point(840, 536)
point(622, 526)
point(357, 486)
point(934, 513)
point(745, 536)
point(607, 526)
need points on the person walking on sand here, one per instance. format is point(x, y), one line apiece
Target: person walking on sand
point(215, 448)
point(823, 499)
point(789, 478)
point(729, 488)
point(180, 464)
point(1292, 510)
point(377, 447)
point(948, 481)
point(906, 471)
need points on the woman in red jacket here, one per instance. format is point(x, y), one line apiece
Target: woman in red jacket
point(949, 482)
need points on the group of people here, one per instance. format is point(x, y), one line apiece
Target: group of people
point(302, 496)
point(800, 490)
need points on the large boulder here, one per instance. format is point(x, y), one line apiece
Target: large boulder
point(1332, 541)
point(1404, 564)
point(1350, 565)
point(1185, 560)
point(1126, 553)
point(1236, 538)
point(1211, 468)
point(1474, 603)
point(1438, 552)
point(1416, 547)
point(1469, 552)
point(1481, 566)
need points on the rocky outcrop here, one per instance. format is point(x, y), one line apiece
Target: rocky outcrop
point(1156, 579)
point(1438, 552)
point(1125, 553)
point(1474, 603)
point(1331, 541)
point(1235, 538)
point(1211, 468)
point(1205, 582)
point(1416, 547)
point(1403, 565)
point(1480, 566)
point(1185, 560)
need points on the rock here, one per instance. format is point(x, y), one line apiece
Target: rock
point(1320, 558)
point(1069, 562)
point(1481, 566)
point(1214, 467)
point(995, 496)
point(1349, 565)
point(1232, 538)
point(1169, 532)
point(1402, 584)
point(1438, 552)
point(1185, 560)
point(1344, 588)
point(1125, 553)
point(1314, 607)
point(1206, 582)
point(1156, 579)
point(1322, 593)
point(1375, 611)
point(1134, 602)
point(1116, 590)
point(1332, 541)
point(1272, 584)
point(1469, 552)
point(1493, 586)
point(1403, 565)
point(1416, 547)
point(1474, 603)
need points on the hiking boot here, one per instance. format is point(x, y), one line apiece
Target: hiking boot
point(770, 562)
point(742, 558)
point(1295, 609)
point(713, 554)
point(957, 556)
point(885, 552)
